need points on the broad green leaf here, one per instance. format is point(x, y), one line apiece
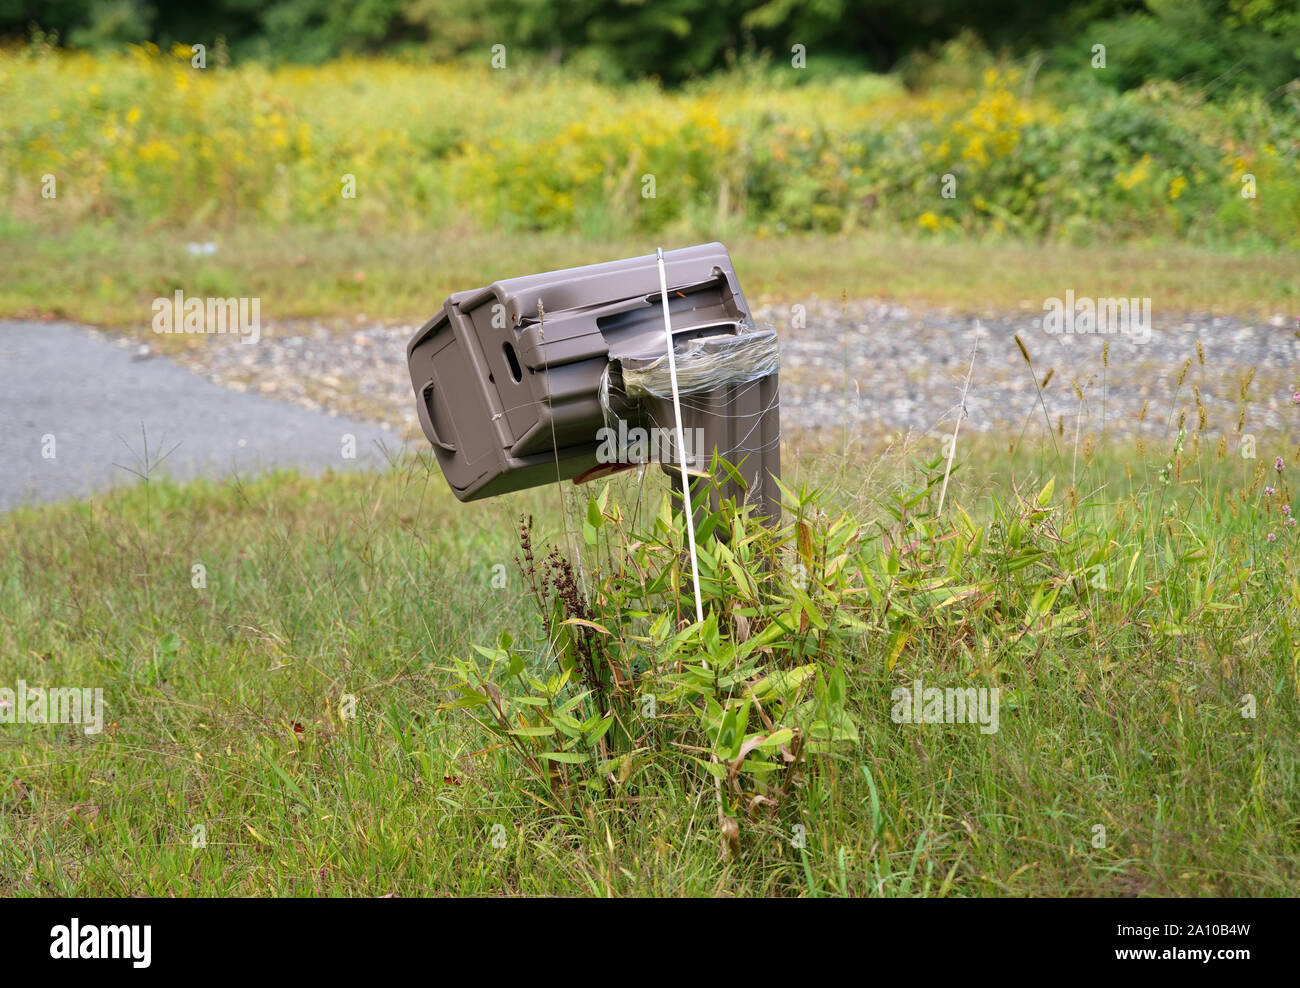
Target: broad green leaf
point(543, 731)
point(566, 757)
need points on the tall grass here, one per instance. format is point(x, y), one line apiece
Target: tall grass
point(1131, 608)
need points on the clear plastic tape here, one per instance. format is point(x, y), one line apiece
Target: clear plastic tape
point(704, 364)
point(607, 412)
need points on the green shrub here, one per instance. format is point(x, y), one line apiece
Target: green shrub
point(622, 677)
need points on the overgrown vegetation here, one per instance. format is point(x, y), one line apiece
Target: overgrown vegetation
point(320, 709)
point(623, 678)
point(145, 139)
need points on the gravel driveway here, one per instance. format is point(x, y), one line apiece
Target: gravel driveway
point(876, 366)
point(218, 406)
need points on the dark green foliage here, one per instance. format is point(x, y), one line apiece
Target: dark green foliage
point(1222, 44)
point(1217, 44)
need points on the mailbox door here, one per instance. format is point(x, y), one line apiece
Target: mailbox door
point(449, 402)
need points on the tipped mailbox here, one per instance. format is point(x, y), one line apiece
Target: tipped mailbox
point(545, 377)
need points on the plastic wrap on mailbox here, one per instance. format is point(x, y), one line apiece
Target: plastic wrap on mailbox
point(703, 364)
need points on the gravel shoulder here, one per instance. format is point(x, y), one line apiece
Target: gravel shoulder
point(879, 367)
point(219, 407)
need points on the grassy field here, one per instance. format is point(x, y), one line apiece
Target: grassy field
point(1125, 618)
point(109, 276)
point(351, 685)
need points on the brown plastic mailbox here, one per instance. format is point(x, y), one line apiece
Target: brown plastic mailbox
point(524, 382)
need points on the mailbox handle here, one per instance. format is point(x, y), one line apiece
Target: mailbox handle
point(424, 409)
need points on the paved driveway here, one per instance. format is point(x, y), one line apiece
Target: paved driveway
point(76, 411)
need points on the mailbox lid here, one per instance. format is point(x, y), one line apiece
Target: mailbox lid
point(598, 285)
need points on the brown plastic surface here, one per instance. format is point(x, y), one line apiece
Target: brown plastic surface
point(507, 378)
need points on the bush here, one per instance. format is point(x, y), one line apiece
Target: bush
point(623, 678)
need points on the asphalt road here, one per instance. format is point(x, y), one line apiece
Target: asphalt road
point(78, 414)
